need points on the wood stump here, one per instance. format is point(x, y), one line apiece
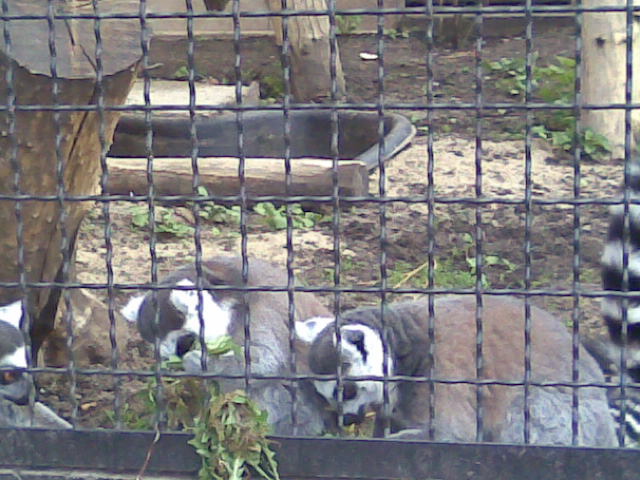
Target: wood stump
point(310, 51)
point(604, 72)
point(55, 66)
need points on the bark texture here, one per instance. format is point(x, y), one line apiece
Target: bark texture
point(310, 52)
point(604, 72)
point(32, 162)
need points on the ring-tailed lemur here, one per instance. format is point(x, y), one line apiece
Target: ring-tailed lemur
point(613, 275)
point(362, 354)
point(223, 313)
point(608, 357)
point(15, 382)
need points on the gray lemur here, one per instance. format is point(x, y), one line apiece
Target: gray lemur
point(15, 382)
point(223, 313)
point(454, 353)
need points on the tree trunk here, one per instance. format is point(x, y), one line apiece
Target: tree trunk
point(604, 72)
point(46, 222)
point(310, 51)
point(263, 176)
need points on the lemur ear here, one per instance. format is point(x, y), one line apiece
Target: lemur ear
point(184, 301)
point(308, 330)
point(132, 309)
point(12, 314)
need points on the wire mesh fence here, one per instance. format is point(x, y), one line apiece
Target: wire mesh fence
point(378, 220)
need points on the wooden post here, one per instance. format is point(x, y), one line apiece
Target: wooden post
point(310, 51)
point(604, 72)
point(31, 135)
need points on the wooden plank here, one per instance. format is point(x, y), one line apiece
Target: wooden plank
point(263, 176)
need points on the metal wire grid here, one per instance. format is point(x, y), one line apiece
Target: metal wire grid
point(479, 106)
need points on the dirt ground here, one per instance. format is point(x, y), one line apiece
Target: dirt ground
point(397, 235)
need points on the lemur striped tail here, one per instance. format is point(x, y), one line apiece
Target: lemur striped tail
point(623, 405)
point(613, 307)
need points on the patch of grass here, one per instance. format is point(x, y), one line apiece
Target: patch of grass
point(271, 86)
point(276, 217)
point(168, 223)
point(182, 73)
point(209, 211)
point(347, 264)
point(347, 24)
point(395, 33)
point(553, 84)
point(165, 221)
point(130, 418)
point(456, 270)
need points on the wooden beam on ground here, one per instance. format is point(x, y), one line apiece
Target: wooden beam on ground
point(263, 176)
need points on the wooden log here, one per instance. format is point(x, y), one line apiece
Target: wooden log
point(604, 72)
point(310, 51)
point(263, 176)
point(32, 133)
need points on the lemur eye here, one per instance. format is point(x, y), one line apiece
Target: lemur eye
point(9, 377)
point(349, 391)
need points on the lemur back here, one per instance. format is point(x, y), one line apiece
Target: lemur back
point(455, 360)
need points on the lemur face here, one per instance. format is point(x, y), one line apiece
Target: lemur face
point(178, 323)
point(15, 383)
point(360, 354)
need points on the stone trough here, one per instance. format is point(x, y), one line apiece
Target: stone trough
point(264, 149)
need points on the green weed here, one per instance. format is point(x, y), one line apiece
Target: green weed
point(209, 211)
point(229, 429)
point(165, 221)
point(395, 33)
point(347, 264)
point(347, 24)
point(276, 217)
point(457, 270)
point(553, 84)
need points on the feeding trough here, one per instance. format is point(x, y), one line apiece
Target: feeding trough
point(264, 150)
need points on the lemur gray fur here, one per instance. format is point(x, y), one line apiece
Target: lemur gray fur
point(223, 313)
point(362, 353)
point(15, 383)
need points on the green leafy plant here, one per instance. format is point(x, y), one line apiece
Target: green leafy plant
point(210, 211)
point(457, 270)
point(448, 273)
point(165, 221)
point(229, 429)
point(553, 84)
point(347, 264)
point(276, 217)
point(348, 24)
point(510, 74)
point(230, 436)
point(395, 33)
point(271, 86)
